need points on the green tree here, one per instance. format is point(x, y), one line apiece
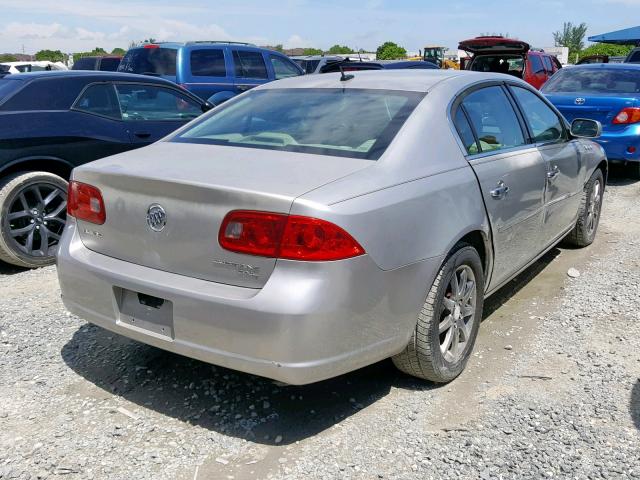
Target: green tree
point(50, 55)
point(340, 49)
point(312, 51)
point(606, 49)
point(96, 52)
point(7, 57)
point(118, 51)
point(571, 36)
point(390, 51)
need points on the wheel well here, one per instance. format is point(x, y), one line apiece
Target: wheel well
point(604, 167)
point(56, 167)
point(477, 240)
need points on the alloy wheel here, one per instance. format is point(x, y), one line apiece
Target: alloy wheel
point(593, 208)
point(458, 315)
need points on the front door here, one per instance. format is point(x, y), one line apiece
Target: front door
point(250, 69)
point(511, 175)
point(151, 112)
point(562, 162)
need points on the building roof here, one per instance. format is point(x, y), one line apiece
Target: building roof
point(626, 36)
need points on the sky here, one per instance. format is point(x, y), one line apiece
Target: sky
point(81, 25)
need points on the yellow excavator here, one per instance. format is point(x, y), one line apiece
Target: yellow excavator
point(435, 54)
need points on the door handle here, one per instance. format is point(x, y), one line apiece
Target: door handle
point(500, 191)
point(142, 134)
point(553, 173)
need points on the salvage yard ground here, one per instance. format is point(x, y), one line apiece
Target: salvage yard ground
point(552, 390)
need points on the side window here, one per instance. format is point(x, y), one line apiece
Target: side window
point(465, 131)
point(99, 99)
point(548, 66)
point(283, 68)
point(249, 64)
point(109, 64)
point(543, 122)
point(536, 64)
point(493, 119)
point(150, 102)
point(208, 63)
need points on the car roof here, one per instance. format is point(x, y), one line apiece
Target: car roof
point(205, 43)
point(411, 80)
point(92, 75)
point(617, 66)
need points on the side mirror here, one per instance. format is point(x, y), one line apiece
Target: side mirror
point(206, 106)
point(220, 97)
point(585, 128)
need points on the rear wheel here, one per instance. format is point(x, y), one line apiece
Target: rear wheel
point(634, 170)
point(586, 226)
point(448, 324)
point(32, 218)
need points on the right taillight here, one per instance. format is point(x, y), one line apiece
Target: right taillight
point(627, 115)
point(85, 203)
point(292, 237)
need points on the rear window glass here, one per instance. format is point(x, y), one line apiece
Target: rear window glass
point(509, 64)
point(547, 64)
point(158, 61)
point(46, 94)
point(208, 63)
point(109, 64)
point(88, 63)
point(594, 80)
point(355, 123)
point(249, 64)
point(8, 87)
point(536, 64)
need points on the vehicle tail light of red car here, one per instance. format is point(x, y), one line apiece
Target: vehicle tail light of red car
point(627, 116)
point(85, 203)
point(291, 237)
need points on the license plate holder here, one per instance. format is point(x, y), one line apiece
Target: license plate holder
point(146, 312)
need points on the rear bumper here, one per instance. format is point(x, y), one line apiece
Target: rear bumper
point(311, 321)
point(616, 144)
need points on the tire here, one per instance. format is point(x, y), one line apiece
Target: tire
point(423, 357)
point(634, 170)
point(586, 226)
point(32, 217)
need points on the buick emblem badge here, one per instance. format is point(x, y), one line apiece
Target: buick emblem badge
point(156, 217)
point(579, 101)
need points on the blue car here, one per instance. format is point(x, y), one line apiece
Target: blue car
point(215, 71)
point(51, 122)
point(609, 93)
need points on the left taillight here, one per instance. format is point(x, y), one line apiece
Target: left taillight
point(291, 237)
point(85, 202)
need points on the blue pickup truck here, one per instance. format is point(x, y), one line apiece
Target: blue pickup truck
point(211, 70)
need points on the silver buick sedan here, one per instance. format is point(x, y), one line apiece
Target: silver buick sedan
point(315, 225)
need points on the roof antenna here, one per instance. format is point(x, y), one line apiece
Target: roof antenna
point(343, 77)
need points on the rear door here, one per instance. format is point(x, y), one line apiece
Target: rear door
point(151, 112)
point(511, 174)
point(210, 71)
point(250, 69)
point(560, 154)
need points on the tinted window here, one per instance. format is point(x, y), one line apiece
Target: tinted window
point(46, 94)
point(309, 66)
point(161, 61)
point(283, 68)
point(465, 132)
point(634, 57)
point(547, 63)
point(543, 122)
point(510, 64)
point(99, 99)
point(536, 64)
point(208, 63)
point(88, 63)
point(354, 123)
point(8, 86)
point(109, 64)
point(147, 102)
point(594, 80)
point(493, 119)
point(249, 64)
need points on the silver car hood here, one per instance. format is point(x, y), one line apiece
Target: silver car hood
point(197, 185)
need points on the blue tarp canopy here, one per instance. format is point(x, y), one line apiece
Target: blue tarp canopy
point(628, 36)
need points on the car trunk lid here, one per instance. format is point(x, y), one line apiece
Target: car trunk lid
point(494, 45)
point(602, 108)
point(197, 185)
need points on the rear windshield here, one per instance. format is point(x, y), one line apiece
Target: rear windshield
point(510, 64)
point(157, 61)
point(8, 86)
point(355, 123)
point(87, 63)
point(594, 80)
point(109, 64)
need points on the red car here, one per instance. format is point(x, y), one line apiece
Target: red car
point(513, 57)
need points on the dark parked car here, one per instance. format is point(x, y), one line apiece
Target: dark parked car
point(350, 65)
point(107, 63)
point(212, 70)
point(51, 122)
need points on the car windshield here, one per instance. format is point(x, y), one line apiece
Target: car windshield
point(157, 61)
point(594, 80)
point(355, 123)
point(511, 64)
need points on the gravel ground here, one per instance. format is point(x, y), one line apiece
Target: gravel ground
point(552, 390)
